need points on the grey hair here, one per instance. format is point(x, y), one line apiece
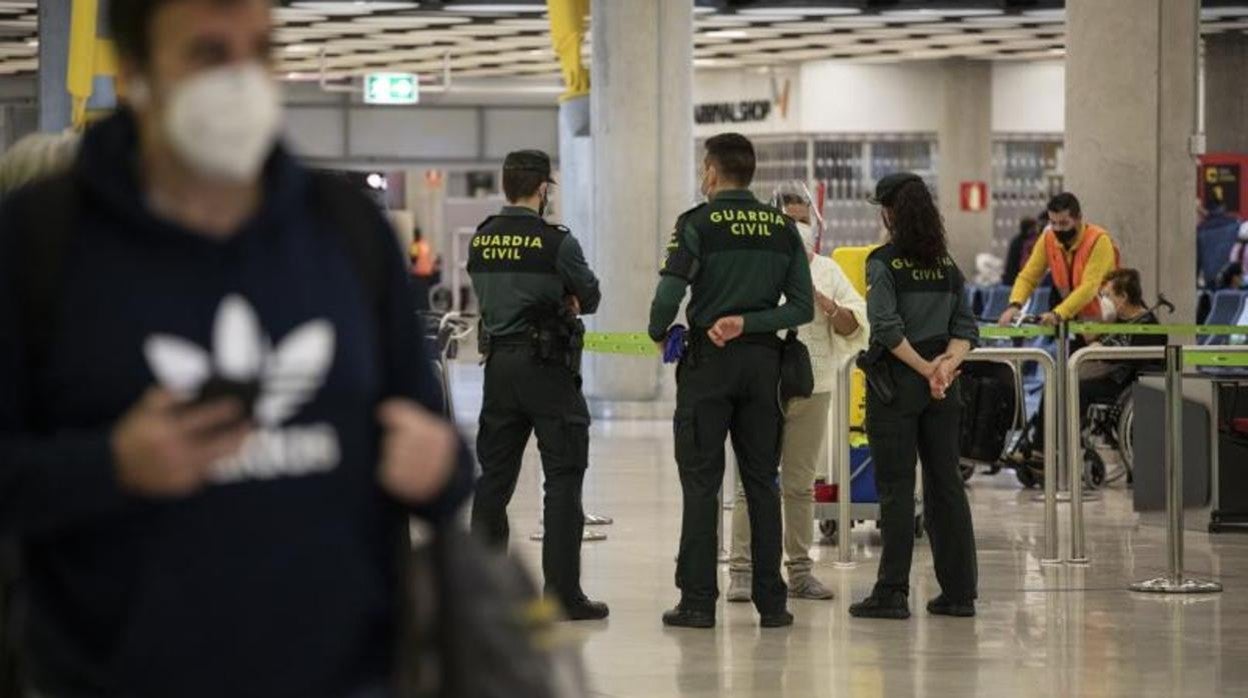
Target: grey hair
point(36, 156)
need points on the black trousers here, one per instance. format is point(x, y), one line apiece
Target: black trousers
point(524, 396)
point(917, 425)
point(722, 392)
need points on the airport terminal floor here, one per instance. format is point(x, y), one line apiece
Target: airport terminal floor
point(1040, 631)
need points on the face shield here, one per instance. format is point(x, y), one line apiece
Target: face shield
point(797, 202)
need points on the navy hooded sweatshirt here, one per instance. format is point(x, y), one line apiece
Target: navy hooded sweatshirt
point(278, 579)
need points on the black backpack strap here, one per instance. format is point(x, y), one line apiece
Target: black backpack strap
point(354, 219)
point(45, 218)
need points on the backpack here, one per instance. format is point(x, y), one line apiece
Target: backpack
point(482, 600)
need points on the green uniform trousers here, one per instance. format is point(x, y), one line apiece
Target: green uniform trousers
point(721, 393)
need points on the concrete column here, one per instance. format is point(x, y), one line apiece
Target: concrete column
point(1130, 115)
point(1226, 93)
point(55, 105)
point(964, 144)
point(642, 163)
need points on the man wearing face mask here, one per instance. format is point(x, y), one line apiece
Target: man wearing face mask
point(532, 283)
point(218, 415)
point(1077, 254)
point(741, 257)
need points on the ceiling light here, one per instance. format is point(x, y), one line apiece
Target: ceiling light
point(494, 7)
point(728, 34)
point(1049, 15)
point(351, 7)
point(781, 10)
point(944, 8)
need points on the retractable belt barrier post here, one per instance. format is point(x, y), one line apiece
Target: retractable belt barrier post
point(1074, 431)
point(1177, 358)
point(1051, 556)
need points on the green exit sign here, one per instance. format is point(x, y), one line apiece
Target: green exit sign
point(391, 88)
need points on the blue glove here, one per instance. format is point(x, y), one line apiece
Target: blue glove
point(674, 345)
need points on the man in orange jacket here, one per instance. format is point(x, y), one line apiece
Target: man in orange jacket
point(1078, 255)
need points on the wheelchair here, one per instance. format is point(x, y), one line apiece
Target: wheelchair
point(1107, 427)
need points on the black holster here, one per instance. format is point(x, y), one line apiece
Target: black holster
point(557, 336)
point(879, 372)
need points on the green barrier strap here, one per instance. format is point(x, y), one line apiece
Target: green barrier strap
point(1128, 328)
point(631, 344)
point(1024, 331)
point(1196, 359)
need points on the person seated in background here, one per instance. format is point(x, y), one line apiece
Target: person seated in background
point(1216, 238)
point(1231, 277)
point(1122, 301)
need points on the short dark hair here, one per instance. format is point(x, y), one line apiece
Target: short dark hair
point(733, 155)
point(793, 199)
point(1126, 282)
point(130, 23)
point(1027, 226)
point(521, 184)
point(1065, 202)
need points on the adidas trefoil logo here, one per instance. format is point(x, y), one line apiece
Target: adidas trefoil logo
point(284, 379)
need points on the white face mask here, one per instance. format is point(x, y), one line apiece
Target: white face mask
point(223, 122)
point(1108, 312)
point(808, 234)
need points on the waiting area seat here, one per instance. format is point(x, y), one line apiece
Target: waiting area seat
point(1227, 308)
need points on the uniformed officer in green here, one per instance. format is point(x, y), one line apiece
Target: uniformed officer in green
point(740, 256)
point(921, 329)
point(532, 283)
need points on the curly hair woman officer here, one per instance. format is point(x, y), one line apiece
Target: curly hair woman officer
point(921, 329)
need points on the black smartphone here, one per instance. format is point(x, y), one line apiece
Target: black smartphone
point(217, 388)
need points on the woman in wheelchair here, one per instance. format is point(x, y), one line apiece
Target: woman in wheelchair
point(1105, 386)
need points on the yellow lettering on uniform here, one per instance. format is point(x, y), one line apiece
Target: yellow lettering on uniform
point(536, 243)
point(736, 229)
point(751, 216)
point(896, 264)
point(716, 217)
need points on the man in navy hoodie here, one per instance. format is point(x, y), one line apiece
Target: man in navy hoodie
point(210, 460)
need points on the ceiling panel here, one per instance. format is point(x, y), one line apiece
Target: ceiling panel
point(360, 38)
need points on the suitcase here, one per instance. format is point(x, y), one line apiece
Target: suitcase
point(989, 410)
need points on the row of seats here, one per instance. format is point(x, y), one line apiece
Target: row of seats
point(988, 302)
point(1226, 307)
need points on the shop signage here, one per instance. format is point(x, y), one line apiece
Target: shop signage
point(391, 88)
point(732, 112)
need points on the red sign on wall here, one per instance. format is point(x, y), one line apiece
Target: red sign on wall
point(974, 196)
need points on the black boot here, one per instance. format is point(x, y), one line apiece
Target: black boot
point(584, 609)
point(882, 604)
point(681, 617)
point(941, 606)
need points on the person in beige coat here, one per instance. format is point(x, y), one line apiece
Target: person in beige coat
point(838, 331)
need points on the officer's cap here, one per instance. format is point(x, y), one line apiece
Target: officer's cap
point(529, 161)
point(886, 189)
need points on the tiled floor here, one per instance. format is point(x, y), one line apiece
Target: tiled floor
point(1061, 631)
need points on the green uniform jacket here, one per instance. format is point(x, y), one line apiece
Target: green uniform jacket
point(740, 256)
point(908, 301)
point(518, 261)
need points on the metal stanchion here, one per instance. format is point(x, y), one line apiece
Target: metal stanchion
point(1174, 582)
point(844, 474)
point(1051, 554)
point(1065, 457)
point(1071, 428)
